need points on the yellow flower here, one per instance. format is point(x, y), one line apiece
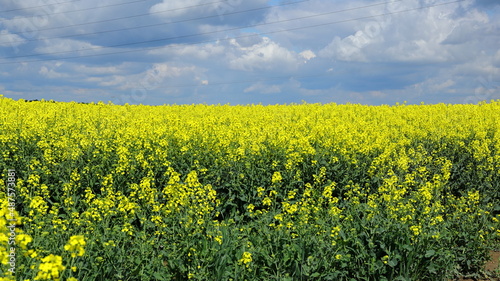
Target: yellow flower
point(76, 245)
point(110, 243)
point(4, 257)
point(279, 217)
point(23, 240)
point(276, 177)
point(50, 268)
point(3, 237)
point(260, 191)
point(218, 239)
point(32, 254)
point(250, 207)
point(246, 259)
point(266, 201)
point(416, 229)
point(335, 231)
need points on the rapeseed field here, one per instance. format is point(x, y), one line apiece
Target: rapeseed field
point(218, 192)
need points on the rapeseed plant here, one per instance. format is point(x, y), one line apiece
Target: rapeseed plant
point(175, 192)
point(76, 245)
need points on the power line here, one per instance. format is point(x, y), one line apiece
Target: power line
point(221, 39)
point(126, 17)
point(86, 9)
point(203, 33)
point(160, 24)
point(224, 39)
point(36, 7)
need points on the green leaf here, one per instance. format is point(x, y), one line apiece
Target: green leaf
point(158, 276)
point(408, 247)
point(430, 253)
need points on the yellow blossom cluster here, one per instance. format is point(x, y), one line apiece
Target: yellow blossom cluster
point(203, 179)
point(76, 245)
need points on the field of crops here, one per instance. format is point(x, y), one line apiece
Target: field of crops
point(285, 192)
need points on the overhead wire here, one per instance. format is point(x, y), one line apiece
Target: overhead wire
point(37, 7)
point(212, 40)
point(266, 79)
point(204, 33)
point(159, 24)
point(245, 36)
point(125, 17)
point(90, 8)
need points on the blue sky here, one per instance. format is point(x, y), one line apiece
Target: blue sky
point(242, 52)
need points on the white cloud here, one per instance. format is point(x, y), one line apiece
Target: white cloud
point(99, 70)
point(467, 28)
point(160, 75)
point(8, 39)
point(190, 52)
point(163, 70)
point(397, 37)
point(266, 55)
point(343, 49)
point(58, 46)
point(445, 85)
point(308, 55)
point(481, 66)
point(213, 12)
point(51, 73)
point(179, 8)
point(418, 50)
point(109, 81)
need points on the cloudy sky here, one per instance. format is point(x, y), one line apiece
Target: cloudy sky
point(255, 51)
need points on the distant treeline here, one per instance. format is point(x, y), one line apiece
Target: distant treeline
point(51, 101)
